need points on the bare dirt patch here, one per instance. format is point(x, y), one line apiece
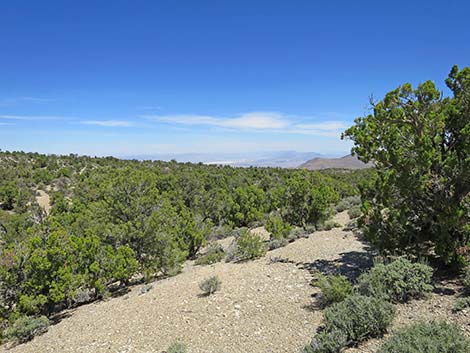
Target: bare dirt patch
point(43, 200)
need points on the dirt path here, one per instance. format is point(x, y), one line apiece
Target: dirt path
point(44, 201)
point(263, 306)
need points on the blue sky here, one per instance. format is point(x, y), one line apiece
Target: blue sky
point(142, 77)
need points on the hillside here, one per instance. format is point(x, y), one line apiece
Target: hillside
point(263, 305)
point(346, 162)
point(266, 305)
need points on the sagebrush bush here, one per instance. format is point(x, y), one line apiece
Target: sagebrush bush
point(210, 285)
point(433, 337)
point(297, 233)
point(354, 212)
point(177, 347)
point(347, 203)
point(461, 304)
point(277, 243)
point(327, 342)
point(82, 296)
point(398, 281)
point(277, 227)
point(27, 327)
point(359, 317)
point(334, 288)
point(341, 206)
point(249, 246)
point(466, 280)
point(215, 253)
point(329, 225)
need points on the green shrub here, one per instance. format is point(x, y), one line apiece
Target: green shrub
point(359, 317)
point(347, 203)
point(327, 342)
point(27, 327)
point(466, 280)
point(398, 281)
point(329, 225)
point(333, 288)
point(297, 233)
point(214, 253)
point(177, 347)
point(461, 304)
point(277, 243)
point(355, 212)
point(343, 205)
point(433, 337)
point(210, 285)
point(277, 227)
point(249, 246)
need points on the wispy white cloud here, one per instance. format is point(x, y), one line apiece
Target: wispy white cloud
point(108, 123)
point(32, 118)
point(22, 100)
point(260, 121)
point(248, 121)
point(324, 126)
point(6, 124)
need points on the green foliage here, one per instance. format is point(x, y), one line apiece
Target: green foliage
point(114, 219)
point(277, 227)
point(8, 195)
point(328, 225)
point(352, 321)
point(210, 285)
point(398, 281)
point(214, 253)
point(177, 347)
point(424, 337)
point(347, 203)
point(358, 317)
point(419, 142)
point(354, 212)
point(277, 243)
point(249, 205)
point(309, 198)
point(327, 342)
point(466, 280)
point(334, 288)
point(25, 328)
point(461, 304)
point(249, 246)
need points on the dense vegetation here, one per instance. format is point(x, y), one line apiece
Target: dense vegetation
point(419, 141)
point(115, 221)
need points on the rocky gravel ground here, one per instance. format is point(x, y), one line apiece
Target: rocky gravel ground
point(263, 306)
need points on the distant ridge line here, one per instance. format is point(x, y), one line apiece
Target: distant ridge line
point(346, 162)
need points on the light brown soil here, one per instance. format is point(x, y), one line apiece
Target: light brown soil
point(263, 306)
point(44, 200)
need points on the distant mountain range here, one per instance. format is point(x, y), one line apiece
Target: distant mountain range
point(282, 159)
point(346, 162)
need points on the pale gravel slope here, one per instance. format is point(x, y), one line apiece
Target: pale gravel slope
point(262, 307)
